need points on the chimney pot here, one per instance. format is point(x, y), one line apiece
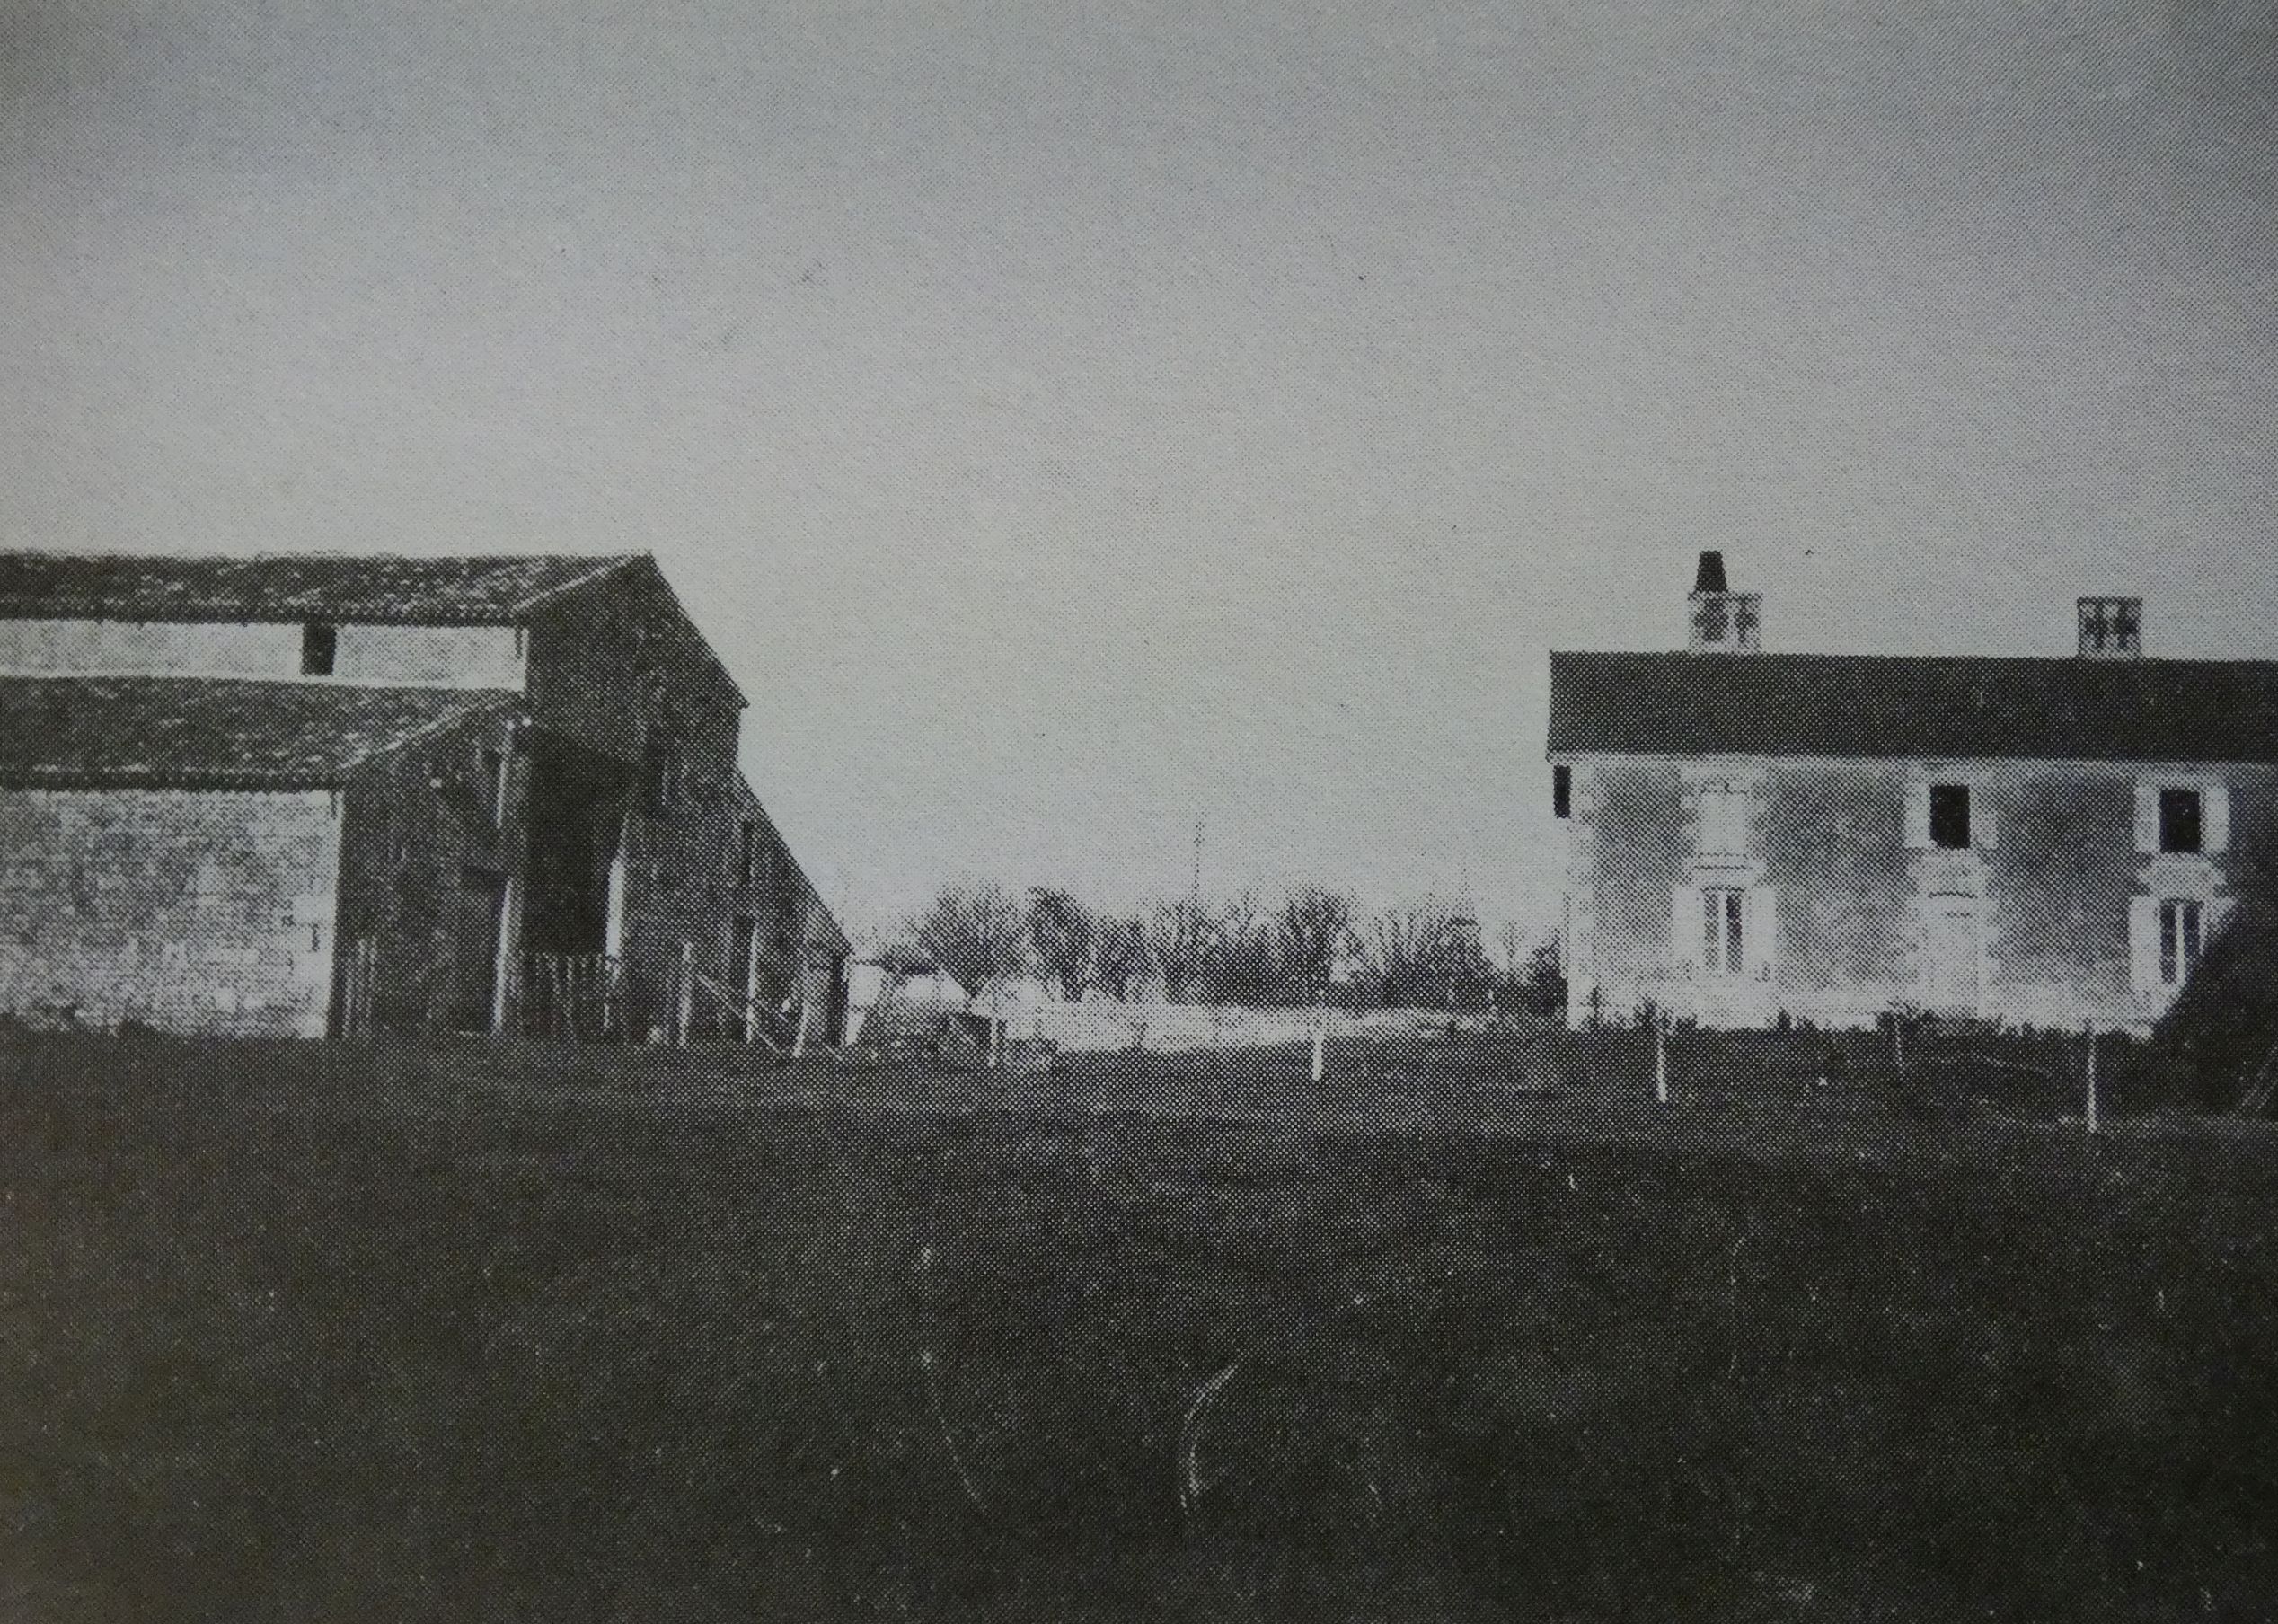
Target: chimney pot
point(2111, 627)
point(1724, 622)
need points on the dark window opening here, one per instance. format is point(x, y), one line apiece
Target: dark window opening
point(1562, 791)
point(1950, 816)
point(2180, 820)
point(320, 646)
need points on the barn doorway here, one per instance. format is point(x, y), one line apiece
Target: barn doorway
point(1954, 955)
point(476, 933)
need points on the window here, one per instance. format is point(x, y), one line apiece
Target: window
point(1562, 791)
point(320, 646)
point(660, 779)
point(2180, 821)
point(2180, 932)
point(1950, 816)
point(1724, 821)
point(1723, 908)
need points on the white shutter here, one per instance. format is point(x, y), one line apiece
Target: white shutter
point(1984, 830)
point(1684, 931)
point(2147, 819)
point(1918, 817)
point(2216, 804)
point(2143, 943)
point(1762, 944)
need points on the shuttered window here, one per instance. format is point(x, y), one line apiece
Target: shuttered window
point(2181, 935)
point(1723, 912)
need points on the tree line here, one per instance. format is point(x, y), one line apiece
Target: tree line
point(1314, 942)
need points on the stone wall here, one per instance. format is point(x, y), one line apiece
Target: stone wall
point(1843, 888)
point(191, 910)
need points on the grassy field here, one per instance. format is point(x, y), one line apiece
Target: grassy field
point(482, 1332)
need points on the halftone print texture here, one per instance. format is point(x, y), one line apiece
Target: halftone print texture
point(1034, 812)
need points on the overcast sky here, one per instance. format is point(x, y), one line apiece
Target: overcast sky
point(1071, 419)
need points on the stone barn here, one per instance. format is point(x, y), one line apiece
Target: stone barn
point(2037, 841)
point(308, 793)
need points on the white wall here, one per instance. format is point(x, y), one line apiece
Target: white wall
point(403, 656)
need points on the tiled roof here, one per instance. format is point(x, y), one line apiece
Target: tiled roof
point(212, 731)
point(1889, 705)
point(307, 586)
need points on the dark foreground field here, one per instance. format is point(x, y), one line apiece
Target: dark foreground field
point(327, 1334)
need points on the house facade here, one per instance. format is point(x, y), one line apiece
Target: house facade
point(308, 794)
point(1829, 838)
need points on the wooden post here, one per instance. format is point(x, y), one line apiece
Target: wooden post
point(684, 1002)
point(1320, 1036)
point(799, 1042)
point(2091, 1114)
point(1660, 1058)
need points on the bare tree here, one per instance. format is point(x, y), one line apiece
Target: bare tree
point(1120, 958)
point(974, 930)
point(1408, 952)
point(1065, 938)
point(1314, 925)
point(1179, 937)
point(1241, 964)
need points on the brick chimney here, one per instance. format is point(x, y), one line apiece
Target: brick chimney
point(2111, 627)
point(1724, 622)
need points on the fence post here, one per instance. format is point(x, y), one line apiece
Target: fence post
point(684, 1003)
point(1660, 1058)
point(2091, 1113)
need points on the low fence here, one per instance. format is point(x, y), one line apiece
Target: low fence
point(578, 996)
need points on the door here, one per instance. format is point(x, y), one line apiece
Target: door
point(1954, 961)
point(480, 914)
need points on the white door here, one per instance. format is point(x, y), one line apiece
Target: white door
point(1953, 941)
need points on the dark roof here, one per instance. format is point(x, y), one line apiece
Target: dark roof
point(834, 936)
point(303, 586)
point(209, 731)
point(1893, 705)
